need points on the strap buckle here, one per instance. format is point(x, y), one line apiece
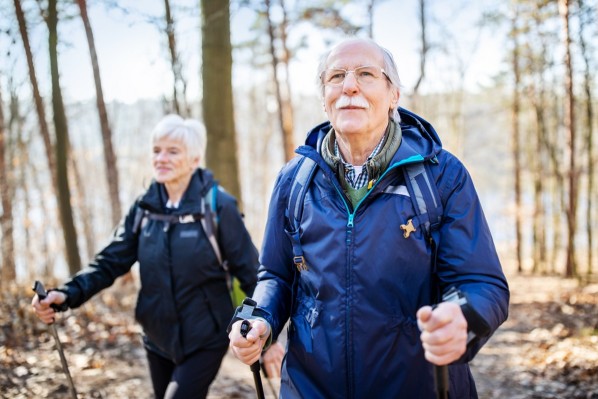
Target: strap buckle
point(300, 263)
point(186, 219)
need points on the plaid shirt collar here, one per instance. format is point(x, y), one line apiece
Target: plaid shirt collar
point(357, 181)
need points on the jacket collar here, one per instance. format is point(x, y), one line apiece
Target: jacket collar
point(155, 197)
point(419, 139)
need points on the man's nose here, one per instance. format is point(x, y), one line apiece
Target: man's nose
point(350, 83)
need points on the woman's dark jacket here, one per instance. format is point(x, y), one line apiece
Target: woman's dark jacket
point(184, 303)
point(353, 311)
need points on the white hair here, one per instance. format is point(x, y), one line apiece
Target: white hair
point(191, 132)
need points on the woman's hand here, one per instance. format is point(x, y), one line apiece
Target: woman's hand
point(42, 308)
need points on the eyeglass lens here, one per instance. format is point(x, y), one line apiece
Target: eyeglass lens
point(364, 75)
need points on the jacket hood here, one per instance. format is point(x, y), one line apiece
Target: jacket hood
point(419, 137)
point(155, 197)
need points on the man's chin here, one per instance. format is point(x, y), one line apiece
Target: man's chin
point(346, 127)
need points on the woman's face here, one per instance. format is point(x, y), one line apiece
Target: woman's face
point(171, 161)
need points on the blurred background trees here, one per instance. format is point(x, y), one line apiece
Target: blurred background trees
point(526, 133)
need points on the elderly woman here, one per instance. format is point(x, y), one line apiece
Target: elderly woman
point(184, 304)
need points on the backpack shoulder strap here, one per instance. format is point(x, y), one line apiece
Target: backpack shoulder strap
point(428, 206)
point(424, 195)
point(299, 186)
point(210, 219)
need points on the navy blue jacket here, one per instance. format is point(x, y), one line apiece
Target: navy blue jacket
point(183, 304)
point(353, 327)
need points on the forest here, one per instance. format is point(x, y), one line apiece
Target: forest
point(509, 85)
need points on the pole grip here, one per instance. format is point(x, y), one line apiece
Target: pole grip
point(255, 367)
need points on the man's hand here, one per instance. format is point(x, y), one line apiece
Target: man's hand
point(272, 360)
point(444, 332)
point(248, 349)
point(42, 308)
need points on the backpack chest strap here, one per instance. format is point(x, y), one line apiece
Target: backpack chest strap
point(175, 219)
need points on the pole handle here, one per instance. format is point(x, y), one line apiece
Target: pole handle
point(255, 367)
point(39, 289)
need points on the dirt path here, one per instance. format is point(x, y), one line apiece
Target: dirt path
point(548, 348)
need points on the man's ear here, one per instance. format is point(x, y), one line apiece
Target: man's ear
point(396, 94)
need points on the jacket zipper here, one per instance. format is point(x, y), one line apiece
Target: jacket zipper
point(349, 242)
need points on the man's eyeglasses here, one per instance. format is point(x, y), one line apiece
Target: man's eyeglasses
point(364, 75)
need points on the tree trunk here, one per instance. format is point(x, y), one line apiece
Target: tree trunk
point(539, 223)
point(287, 104)
point(8, 274)
point(370, 15)
point(423, 54)
point(37, 98)
point(112, 176)
point(283, 100)
point(570, 266)
point(558, 183)
point(62, 146)
point(218, 94)
point(585, 21)
point(179, 102)
point(538, 157)
point(81, 195)
point(515, 142)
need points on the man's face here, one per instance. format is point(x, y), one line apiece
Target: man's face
point(370, 103)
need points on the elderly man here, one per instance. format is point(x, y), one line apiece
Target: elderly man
point(359, 271)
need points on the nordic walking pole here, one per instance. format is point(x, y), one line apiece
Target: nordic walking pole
point(255, 367)
point(39, 289)
point(441, 381)
point(476, 327)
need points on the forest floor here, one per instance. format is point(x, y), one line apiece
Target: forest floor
point(548, 348)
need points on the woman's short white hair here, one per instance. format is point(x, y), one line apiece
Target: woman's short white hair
point(191, 132)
